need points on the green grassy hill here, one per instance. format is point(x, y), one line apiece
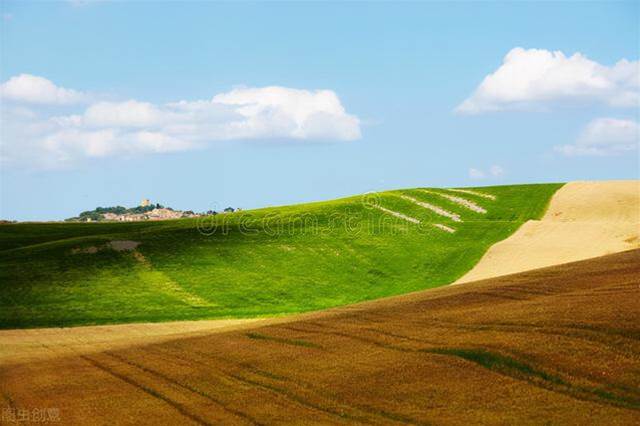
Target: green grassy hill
point(262, 262)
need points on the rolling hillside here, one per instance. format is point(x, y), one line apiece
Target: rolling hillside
point(265, 262)
point(584, 220)
point(558, 345)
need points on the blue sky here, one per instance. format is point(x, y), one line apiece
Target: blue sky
point(393, 76)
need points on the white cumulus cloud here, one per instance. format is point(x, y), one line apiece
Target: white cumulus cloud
point(32, 89)
point(57, 138)
point(605, 136)
point(476, 173)
point(535, 78)
point(122, 114)
point(299, 114)
point(494, 171)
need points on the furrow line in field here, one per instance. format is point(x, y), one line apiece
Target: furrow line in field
point(444, 228)
point(185, 386)
point(398, 215)
point(476, 193)
point(361, 410)
point(273, 389)
point(463, 202)
point(152, 392)
point(436, 209)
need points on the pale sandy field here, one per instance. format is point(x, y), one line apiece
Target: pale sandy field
point(584, 220)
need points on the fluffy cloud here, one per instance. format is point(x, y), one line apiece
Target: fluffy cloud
point(132, 127)
point(476, 173)
point(27, 88)
point(299, 114)
point(534, 78)
point(122, 114)
point(605, 136)
point(494, 171)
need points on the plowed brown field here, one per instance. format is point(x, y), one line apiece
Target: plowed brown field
point(554, 345)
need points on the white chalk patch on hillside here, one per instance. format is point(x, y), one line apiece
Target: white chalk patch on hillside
point(435, 209)
point(444, 227)
point(399, 215)
point(468, 204)
point(468, 191)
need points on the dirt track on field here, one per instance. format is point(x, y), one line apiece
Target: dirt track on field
point(557, 345)
point(584, 220)
point(45, 343)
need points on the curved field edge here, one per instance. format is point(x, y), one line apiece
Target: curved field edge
point(265, 262)
point(536, 345)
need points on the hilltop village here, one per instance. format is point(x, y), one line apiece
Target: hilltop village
point(145, 211)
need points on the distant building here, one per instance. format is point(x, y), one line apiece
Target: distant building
point(145, 202)
point(111, 216)
point(160, 214)
point(229, 210)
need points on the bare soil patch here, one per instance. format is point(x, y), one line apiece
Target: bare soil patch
point(123, 245)
point(584, 220)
